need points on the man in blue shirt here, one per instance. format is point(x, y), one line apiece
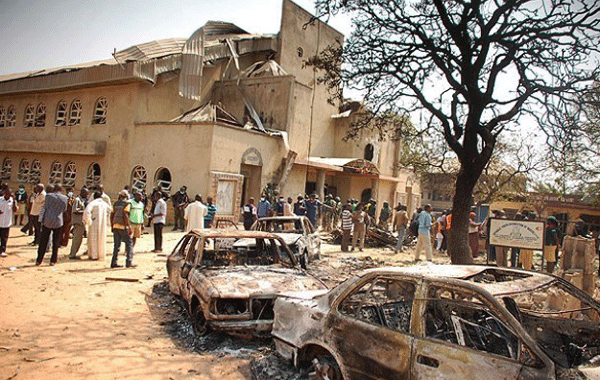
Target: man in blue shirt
point(424, 239)
point(51, 219)
point(311, 209)
point(263, 208)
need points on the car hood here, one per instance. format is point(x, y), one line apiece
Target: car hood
point(246, 282)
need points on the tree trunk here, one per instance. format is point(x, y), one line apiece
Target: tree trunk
point(458, 241)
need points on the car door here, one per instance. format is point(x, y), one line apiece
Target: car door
point(463, 338)
point(313, 239)
point(188, 265)
point(370, 328)
point(175, 263)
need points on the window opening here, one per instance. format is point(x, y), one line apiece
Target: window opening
point(23, 174)
point(29, 116)
point(139, 178)
point(40, 115)
point(70, 174)
point(2, 117)
point(35, 173)
point(56, 173)
point(75, 112)
point(61, 114)
point(11, 117)
point(6, 169)
point(163, 179)
point(100, 110)
point(461, 318)
point(94, 176)
point(369, 152)
point(385, 302)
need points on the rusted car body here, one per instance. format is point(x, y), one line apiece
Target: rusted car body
point(298, 233)
point(230, 285)
point(443, 322)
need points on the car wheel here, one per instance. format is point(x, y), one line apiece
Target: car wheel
point(325, 368)
point(199, 324)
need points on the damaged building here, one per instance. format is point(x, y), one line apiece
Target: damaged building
point(224, 112)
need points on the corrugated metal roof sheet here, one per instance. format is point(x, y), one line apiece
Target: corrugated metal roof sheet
point(151, 50)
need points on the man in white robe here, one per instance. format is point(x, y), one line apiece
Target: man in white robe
point(95, 217)
point(194, 214)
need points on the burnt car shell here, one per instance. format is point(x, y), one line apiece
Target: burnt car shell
point(297, 231)
point(231, 287)
point(459, 322)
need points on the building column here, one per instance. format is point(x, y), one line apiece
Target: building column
point(321, 184)
point(375, 189)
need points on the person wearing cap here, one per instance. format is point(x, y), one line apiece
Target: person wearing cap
point(385, 215)
point(119, 220)
point(249, 211)
point(21, 200)
point(551, 243)
point(180, 201)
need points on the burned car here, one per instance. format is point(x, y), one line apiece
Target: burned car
point(229, 279)
point(297, 231)
point(442, 322)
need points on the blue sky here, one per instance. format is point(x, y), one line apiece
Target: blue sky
point(43, 34)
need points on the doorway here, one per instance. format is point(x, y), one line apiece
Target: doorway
point(252, 182)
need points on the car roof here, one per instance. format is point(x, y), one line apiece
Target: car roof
point(496, 280)
point(242, 234)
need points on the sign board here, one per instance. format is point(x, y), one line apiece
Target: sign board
point(524, 234)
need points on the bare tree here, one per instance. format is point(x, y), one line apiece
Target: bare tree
point(474, 68)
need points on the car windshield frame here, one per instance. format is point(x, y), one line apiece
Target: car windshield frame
point(230, 253)
point(263, 223)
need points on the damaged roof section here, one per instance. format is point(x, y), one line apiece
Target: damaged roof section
point(147, 61)
point(208, 113)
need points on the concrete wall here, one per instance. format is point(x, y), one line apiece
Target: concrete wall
point(311, 111)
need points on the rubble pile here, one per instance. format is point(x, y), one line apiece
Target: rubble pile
point(376, 237)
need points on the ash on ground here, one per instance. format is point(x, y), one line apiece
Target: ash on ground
point(171, 313)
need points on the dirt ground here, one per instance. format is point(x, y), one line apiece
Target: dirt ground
point(69, 322)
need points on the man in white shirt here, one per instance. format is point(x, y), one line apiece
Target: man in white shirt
point(159, 218)
point(38, 201)
point(8, 207)
point(194, 214)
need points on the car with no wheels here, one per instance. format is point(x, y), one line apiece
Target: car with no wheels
point(442, 322)
point(229, 279)
point(298, 233)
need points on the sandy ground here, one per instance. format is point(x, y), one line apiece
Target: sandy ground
point(69, 322)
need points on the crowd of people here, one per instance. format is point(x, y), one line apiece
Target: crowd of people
point(57, 215)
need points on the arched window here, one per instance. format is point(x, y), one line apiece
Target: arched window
point(94, 176)
point(70, 174)
point(139, 177)
point(35, 173)
point(369, 152)
point(29, 118)
point(6, 169)
point(163, 179)
point(40, 115)
point(61, 114)
point(75, 112)
point(23, 174)
point(365, 196)
point(99, 116)
point(56, 173)
point(2, 117)
point(11, 117)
